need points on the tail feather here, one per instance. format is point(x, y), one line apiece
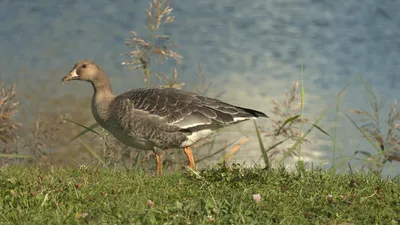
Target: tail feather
point(254, 113)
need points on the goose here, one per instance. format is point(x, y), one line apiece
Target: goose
point(156, 119)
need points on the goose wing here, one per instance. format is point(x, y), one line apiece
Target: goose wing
point(187, 110)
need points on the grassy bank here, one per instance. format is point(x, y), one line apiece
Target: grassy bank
point(225, 195)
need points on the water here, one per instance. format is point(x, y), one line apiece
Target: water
point(252, 50)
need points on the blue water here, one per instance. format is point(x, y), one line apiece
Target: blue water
point(255, 48)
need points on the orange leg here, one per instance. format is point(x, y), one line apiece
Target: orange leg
point(159, 163)
point(189, 154)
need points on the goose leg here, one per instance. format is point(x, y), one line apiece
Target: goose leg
point(189, 154)
point(159, 161)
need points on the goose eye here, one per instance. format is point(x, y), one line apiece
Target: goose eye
point(84, 66)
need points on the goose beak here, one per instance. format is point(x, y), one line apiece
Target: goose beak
point(71, 76)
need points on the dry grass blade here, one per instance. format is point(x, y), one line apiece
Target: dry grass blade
point(290, 120)
point(313, 125)
point(228, 157)
point(362, 132)
point(276, 144)
point(15, 156)
point(321, 130)
point(202, 88)
point(217, 152)
point(86, 128)
point(264, 152)
point(168, 81)
point(358, 112)
point(302, 97)
point(372, 98)
point(336, 147)
point(92, 152)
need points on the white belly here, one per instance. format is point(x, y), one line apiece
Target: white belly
point(195, 136)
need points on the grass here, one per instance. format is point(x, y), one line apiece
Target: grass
point(223, 195)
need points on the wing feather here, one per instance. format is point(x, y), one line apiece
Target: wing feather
point(186, 110)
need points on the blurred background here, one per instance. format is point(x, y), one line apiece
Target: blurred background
point(250, 51)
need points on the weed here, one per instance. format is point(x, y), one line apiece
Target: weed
point(336, 147)
point(158, 47)
point(8, 126)
point(286, 125)
point(8, 108)
point(384, 138)
point(202, 86)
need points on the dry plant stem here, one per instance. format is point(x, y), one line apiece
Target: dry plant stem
point(337, 107)
point(235, 149)
point(385, 142)
point(202, 88)
point(300, 140)
point(170, 82)
point(286, 125)
point(158, 47)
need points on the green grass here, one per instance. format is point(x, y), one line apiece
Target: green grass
point(223, 195)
